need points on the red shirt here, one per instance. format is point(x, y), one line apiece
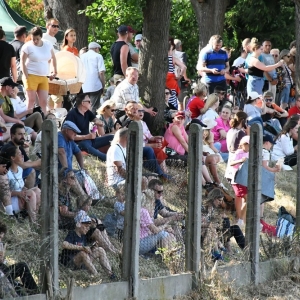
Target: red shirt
point(73, 50)
point(195, 105)
point(294, 111)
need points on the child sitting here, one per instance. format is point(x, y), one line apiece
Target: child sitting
point(120, 211)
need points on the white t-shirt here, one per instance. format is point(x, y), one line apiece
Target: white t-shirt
point(16, 183)
point(38, 57)
point(52, 40)
point(283, 147)
point(266, 154)
point(115, 153)
point(210, 114)
point(239, 61)
point(19, 106)
point(93, 64)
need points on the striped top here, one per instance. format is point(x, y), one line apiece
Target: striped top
point(171, 68)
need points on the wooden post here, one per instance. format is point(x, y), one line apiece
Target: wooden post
point(130, 263)
point(193, 230)
point(49, 209)
point(254, 199)
point(298, 190)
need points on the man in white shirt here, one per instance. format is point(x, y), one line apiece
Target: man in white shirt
point(241, 59)
point(95, 74)
point(128, 90)
point(52, 26)
point(116, 159)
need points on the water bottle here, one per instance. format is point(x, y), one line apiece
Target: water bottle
point(95, 129)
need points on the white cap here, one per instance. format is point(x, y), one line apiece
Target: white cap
point(138, 37)
point(253, 95)
point(94, 45)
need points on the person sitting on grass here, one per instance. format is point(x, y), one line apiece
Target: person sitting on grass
point(16, 270)
point(119, 208)
point(77, 254)
point(213, 223)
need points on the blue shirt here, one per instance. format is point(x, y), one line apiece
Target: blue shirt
point(216, 60)
point(82, 121)
point(70, 147)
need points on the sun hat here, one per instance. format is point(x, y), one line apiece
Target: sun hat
point(253, 95)
point(71, 125)
point(210, 123)
point(245, 140)
point(82, 217)
point(93, 45)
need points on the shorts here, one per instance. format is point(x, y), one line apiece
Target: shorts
point(240, 190)
point(35, 83)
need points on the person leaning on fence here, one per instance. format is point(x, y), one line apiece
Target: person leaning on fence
point(81, 116)
point(16, 270)
point(77, 254)
point(151, 235)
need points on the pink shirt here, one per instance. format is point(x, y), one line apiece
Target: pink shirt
point(173, 143)
point(216, 131)
point(145, 221)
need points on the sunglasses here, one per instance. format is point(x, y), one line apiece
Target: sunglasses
point(167, 93)
point(159, 192)
point(54, 26)
point(88, 101)
point(269, 99)
point(112, 110)
point(141, 111)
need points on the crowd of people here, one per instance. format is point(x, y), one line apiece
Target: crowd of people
point(98, 125)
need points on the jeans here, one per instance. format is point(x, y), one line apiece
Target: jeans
point(150, 241)
point(19, 270)
point(224, 155)
point(255, 84)
point(237, 233)
point(211, 86)
point(150, 162)
point(91, 146)
point(285, 95)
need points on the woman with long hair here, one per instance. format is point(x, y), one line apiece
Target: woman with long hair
point(69, 41)
point(284, 145)
point(106, 115)
point(22, 199)
point(257, 68)
point(210, 107)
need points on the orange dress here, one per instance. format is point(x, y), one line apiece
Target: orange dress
point(73, 50)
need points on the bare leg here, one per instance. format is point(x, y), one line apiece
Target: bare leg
point(103, 241)
point(211, 162)
point(238, 207)
point(206, 174)
point(82, 258)
point(37, 192)
point(31, 96)
point(31, 205)
point(103, 260)
point(244, 208)
point(30, 180)
point(43, 96)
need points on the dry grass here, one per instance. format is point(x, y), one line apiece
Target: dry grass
point(24, 243)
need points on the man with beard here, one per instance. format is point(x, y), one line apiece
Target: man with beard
point(17, 135)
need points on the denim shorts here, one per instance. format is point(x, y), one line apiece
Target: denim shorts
point(285, 95)
point(255, 84)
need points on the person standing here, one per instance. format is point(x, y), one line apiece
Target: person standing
point(133, 53)
point(213, 64)
point(271, 76)
point(19, 40)
point(7, 58)
point(95, 74)
point(120, 54)
point(52, 26)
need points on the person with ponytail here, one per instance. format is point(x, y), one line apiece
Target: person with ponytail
point(257, 68)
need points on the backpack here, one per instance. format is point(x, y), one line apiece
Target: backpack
point(285, 225)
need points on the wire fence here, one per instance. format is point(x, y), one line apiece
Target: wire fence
point(169, 208)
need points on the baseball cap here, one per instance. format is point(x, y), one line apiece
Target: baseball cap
point(94, 45)
point(245, 140)
point(20, 30)
point(82, 217)
point(7, 81)
point(130, 29)
point(71, 125)
point(123, 28)
point(268, 138)
point(253, 95)
point(138, 37)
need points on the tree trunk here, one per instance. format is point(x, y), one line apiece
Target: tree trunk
point(66, 12)
point(297, 19)
point(153, 59)
point(210, 16)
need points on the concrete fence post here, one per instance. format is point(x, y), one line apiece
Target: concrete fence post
point(130, 263)
point(298, 191)
point(193, 224)
point(49, 210)
point(254, 199)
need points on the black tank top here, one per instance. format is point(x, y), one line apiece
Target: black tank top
point(253, 71)
point(115, 55)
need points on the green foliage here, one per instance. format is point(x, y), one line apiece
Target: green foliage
point(30, 10)
point(262, 19)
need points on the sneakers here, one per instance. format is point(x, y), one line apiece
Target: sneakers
point(286, 168)
point(221, 185)
point(216, 255)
